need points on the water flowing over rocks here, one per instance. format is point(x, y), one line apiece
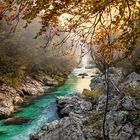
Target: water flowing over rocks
point(82, 118)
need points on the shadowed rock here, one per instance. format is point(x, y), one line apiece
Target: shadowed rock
point(2, 133)
point(47, 82)
point(16, 121)
point(83, 75)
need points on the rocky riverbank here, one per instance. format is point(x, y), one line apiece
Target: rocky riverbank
point(82, 114)
point(11, 97)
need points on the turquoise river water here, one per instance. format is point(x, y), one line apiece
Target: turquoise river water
point(42, 109)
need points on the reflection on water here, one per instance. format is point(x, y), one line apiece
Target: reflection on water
point(83, 83)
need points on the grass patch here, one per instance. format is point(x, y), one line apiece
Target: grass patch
point(88, 94)
point(60, 80)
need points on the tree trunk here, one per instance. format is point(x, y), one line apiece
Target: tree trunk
point(106, 105)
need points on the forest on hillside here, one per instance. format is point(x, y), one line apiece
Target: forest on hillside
point(21, 55)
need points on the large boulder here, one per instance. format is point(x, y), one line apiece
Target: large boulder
point(128, 103)
point(6, 108)
point(7, 96)
point(68, 128)
point(115, 77)
point(7, 89)
point(98, 82)
point(90, 67)
point(31, 87)
point(17, 121)
point(18, 100)
point(112, 102)
point(122, 122)
point(83, 74)
point(131, 81)
point(73, 104)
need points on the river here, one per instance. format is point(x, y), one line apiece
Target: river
point(43, 109)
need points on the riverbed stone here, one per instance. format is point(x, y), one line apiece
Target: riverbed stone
point(6, 108)
point(31, 87)
point(66, 129)
point(73, 104)
point(131, 81)
point(17, 120)
point(18, 100)
point(115, 77)
point(52, 82)
point(128, 103)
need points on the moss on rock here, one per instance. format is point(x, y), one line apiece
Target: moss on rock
point(133, 92)
point(88, 94)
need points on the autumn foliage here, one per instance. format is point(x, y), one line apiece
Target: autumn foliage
point(113, 25)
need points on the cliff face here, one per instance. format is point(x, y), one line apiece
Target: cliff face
point(83, 114)
point(11, 97)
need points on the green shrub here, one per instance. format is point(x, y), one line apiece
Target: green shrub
point(10, 72)
point(60, 80)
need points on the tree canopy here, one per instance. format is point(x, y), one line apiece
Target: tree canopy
point(109, 24)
